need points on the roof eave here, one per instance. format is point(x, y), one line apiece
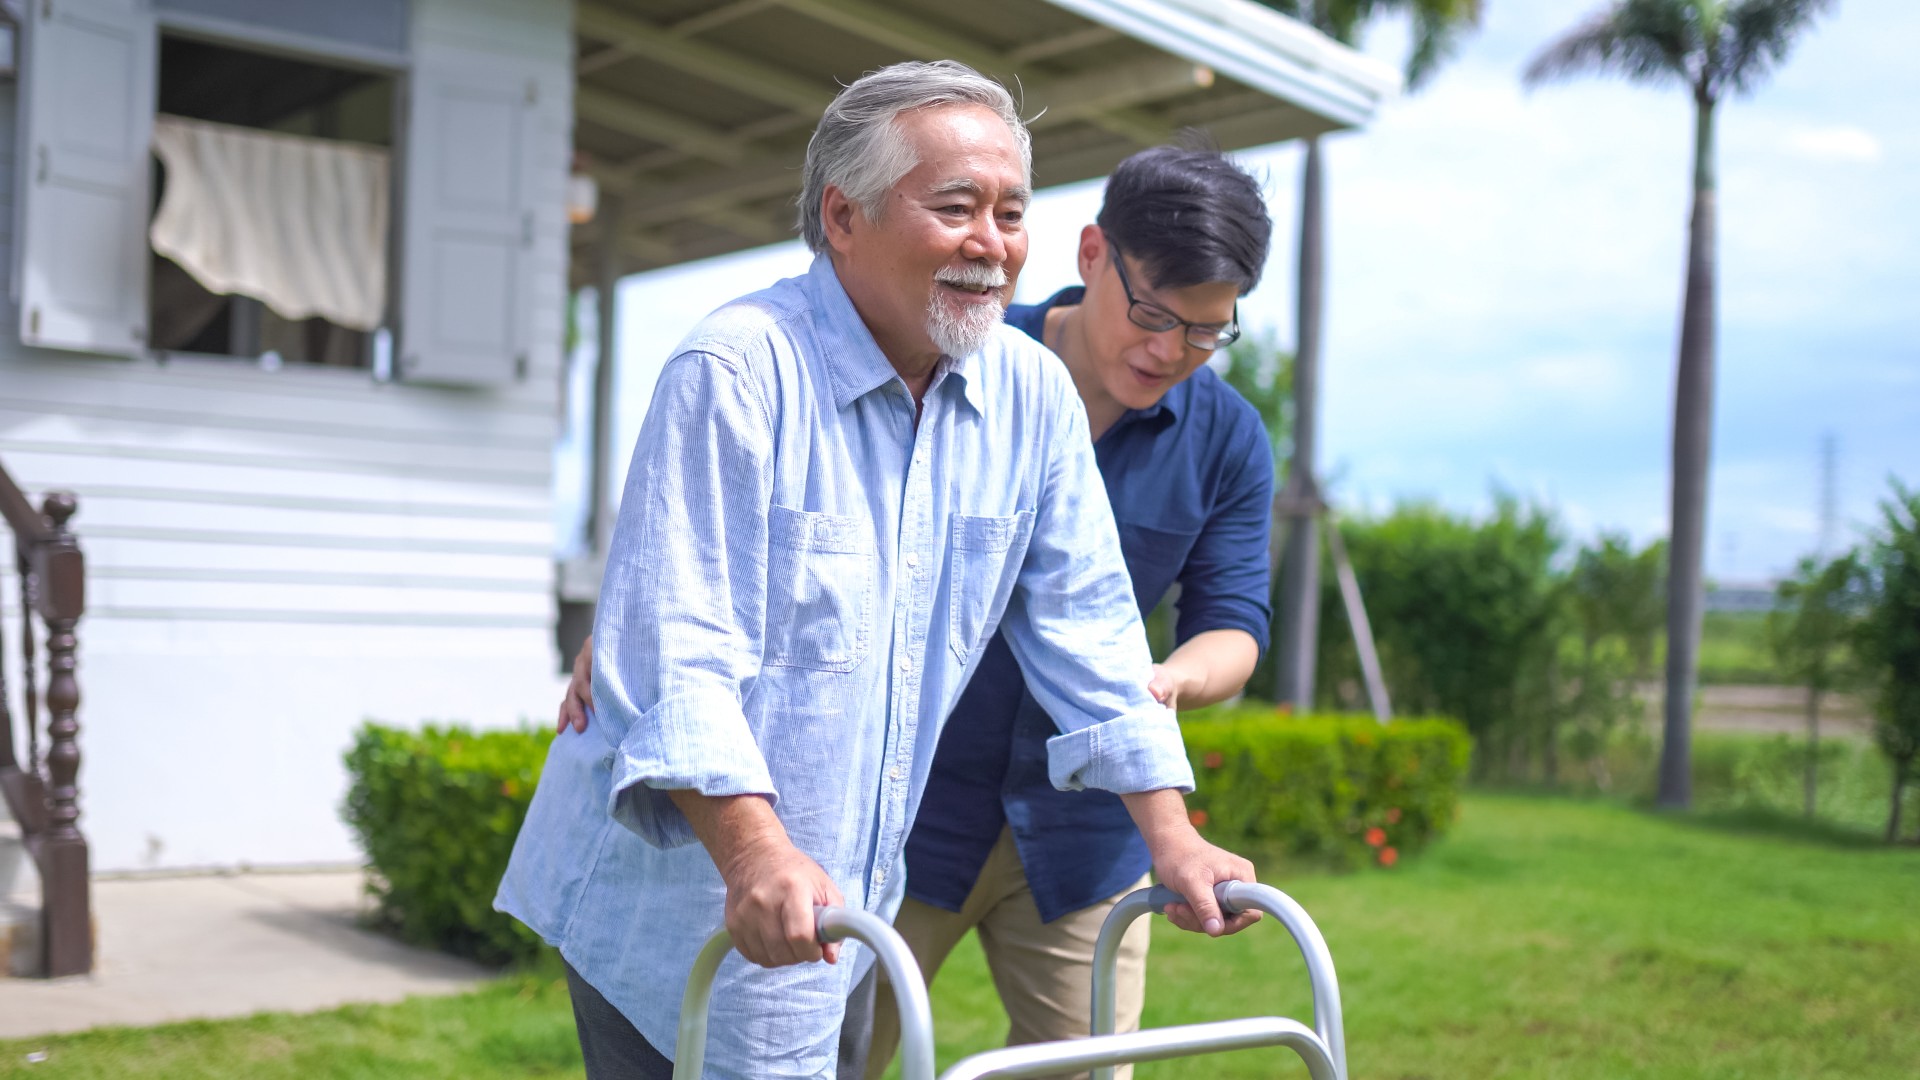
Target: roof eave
point(1258, 47)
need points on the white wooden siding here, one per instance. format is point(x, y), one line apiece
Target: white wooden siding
point(276, 556)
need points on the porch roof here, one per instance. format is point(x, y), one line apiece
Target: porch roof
point(695, 115)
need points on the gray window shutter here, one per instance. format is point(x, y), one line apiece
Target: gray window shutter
point(472, 152)
point(87, 81)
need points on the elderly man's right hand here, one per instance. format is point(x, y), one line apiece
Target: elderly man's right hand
point(772, 891)
point(772, 886)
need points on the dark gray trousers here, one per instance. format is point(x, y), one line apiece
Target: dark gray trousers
point(615, 1050)
point(856, 1031)
point(613, 1047)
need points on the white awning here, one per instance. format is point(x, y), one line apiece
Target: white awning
point(298, 223)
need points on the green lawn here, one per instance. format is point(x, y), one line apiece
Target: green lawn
point(1545, 938)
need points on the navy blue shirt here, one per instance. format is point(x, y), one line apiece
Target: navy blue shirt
point(1191, 483)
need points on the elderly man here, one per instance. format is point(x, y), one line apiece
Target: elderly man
point(844, 485)
point(1182, 234)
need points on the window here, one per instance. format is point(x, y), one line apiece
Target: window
point(475, 218)
point(250, 91)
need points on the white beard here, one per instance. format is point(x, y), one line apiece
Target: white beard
point(958, 333)
point(960, 329)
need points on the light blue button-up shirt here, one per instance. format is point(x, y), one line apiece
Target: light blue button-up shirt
point(801, 579)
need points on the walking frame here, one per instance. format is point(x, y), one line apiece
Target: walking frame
point(1322, 1047)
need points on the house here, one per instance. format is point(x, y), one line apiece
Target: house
point(300, 512)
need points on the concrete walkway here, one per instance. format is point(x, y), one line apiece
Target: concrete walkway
point(228, 945)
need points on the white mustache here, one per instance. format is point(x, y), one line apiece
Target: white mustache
point(974, 276)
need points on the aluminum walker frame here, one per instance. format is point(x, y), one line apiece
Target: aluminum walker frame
point(1322, 1047)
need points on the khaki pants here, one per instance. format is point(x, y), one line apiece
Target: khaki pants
point(1043, 971)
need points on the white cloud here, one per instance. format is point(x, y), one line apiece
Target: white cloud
point(1850, 145)
point(1589, 378)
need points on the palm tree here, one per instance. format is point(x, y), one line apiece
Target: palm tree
point(1713, 48)
point(1437, 27)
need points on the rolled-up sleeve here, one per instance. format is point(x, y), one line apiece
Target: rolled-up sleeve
point(677, 637)
point(1073, 625)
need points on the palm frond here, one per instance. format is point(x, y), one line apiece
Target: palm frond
point(1434, 42)
point(1647, 41)
point(1293, 9)
point(1342, 19)
point(1756, 37)
point(1438, 27)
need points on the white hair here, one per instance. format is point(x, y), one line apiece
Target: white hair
point(859, 148)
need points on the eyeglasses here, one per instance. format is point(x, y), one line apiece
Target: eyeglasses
point(1153, 317)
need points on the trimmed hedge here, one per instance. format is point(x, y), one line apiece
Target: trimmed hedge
point(1340, 788)
point(436, 811)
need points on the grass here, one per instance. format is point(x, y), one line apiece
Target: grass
point(1755, 774)
point(1554, 938)
point(1571, 939)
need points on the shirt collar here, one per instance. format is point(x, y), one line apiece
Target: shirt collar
point(967, 370)
point(855, 365)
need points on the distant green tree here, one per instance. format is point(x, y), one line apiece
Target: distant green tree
point(1887, 640)
point(1809, 631)
point(1466, 612)
point(1262, 372)
point(1714, 48)
point(1612, 598)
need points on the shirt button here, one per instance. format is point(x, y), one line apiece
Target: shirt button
point(895, 774)
point(913, 558)
point(906, 663)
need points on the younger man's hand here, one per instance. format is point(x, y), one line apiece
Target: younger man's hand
point(578, 698)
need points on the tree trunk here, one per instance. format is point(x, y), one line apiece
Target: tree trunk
point(1692, 450)
point(1550, 754)
point(1900, 766)
point(1299, 606)
point(1813, 748)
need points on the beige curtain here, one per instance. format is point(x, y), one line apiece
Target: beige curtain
point(296, 222)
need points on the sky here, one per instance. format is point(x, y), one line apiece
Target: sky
point(1504, 281)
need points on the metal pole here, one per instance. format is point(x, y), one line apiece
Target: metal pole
point(1234, 896)
point(832, 924)
point(1357, 619)
point(1298, 610)
point(608, 261)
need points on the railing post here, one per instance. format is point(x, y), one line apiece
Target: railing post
point(29, 604)
point(59, 569)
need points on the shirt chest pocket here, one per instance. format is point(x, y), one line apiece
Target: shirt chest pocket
point(820, 570)
point(985, 554)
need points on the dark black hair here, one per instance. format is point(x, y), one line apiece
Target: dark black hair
point(1189, 215)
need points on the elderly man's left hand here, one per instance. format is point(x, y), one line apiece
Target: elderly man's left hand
point(1188, 864)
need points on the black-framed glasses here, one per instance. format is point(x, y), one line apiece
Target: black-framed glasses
point(1150, 316)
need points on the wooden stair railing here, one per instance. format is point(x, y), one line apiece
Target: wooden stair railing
point(43, 794)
